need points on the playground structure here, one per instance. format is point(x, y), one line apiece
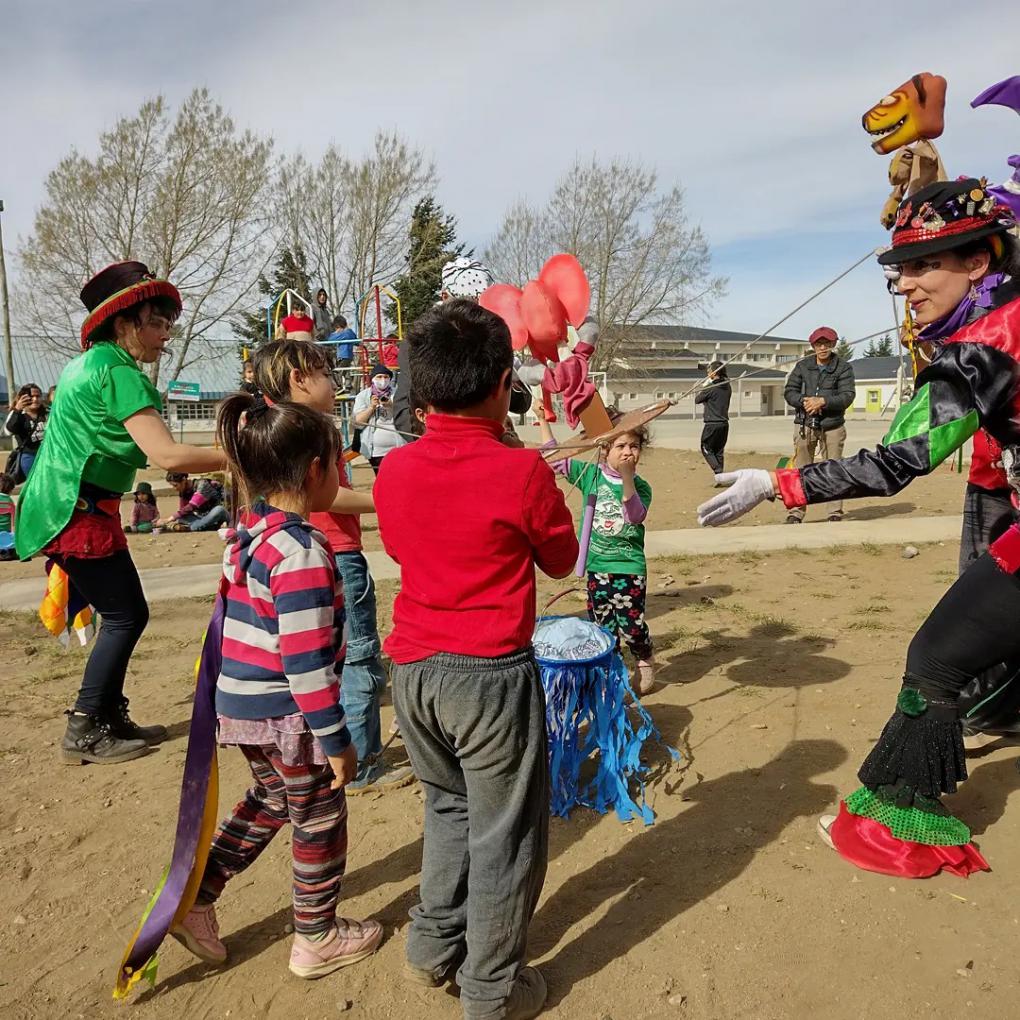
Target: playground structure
point(276, 306)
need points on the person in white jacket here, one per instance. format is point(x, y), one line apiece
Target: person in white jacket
point(373, 417)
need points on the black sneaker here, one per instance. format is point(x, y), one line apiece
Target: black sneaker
point(90, 738)
point(124, 727)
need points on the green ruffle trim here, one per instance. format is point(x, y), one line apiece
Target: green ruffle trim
point(908, 823)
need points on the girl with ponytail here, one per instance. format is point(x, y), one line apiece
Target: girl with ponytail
point(278, 692)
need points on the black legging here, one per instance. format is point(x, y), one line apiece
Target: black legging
point(987, 513)
point(713, 443)
point(975, 625)
point(112, 586)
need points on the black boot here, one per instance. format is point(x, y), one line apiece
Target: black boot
point(125, 728)
point(89, 738)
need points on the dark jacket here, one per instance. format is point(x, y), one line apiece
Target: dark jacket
point(716, 398)
point(834, 382)
point(403, 414)
point(26, 430)
point(973, 381)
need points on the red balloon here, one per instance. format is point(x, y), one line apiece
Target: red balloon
point(505, 301)
point(563, 277)
point(546, 320)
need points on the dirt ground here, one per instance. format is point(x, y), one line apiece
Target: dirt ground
point(679, 479)
point(780, 671)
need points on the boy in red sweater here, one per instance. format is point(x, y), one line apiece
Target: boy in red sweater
point(468, 519)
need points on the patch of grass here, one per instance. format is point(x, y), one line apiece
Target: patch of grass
point(672, 636)
point(769, 626)
point(870, 549)
point(866, 624)
point(875, 608)
point(750, 556)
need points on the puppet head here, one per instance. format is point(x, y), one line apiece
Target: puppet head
point(538, 315)
point(1005, 93)
point(915, 110)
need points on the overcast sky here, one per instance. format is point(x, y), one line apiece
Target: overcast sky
point(753, 108)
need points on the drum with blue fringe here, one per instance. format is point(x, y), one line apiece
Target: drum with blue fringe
point(586, 692)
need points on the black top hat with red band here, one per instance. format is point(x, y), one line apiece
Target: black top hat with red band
point(115, 289)
point(943, 216)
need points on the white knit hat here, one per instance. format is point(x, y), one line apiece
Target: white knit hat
point(465, 278)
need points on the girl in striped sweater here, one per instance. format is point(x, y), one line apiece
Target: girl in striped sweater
point(278, 694)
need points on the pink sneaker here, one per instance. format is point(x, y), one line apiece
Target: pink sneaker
point(646, 675)
point(349, 942)
point(199, 933)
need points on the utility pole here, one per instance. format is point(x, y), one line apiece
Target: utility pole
point(5, 311)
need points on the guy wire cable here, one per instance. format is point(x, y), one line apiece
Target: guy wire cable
point(789, 315)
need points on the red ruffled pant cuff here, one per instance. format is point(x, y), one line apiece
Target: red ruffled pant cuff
point(870, 845)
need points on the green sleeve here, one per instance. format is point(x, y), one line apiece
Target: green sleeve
point(915, 422)
point(576, 468)
point(126, 391)
point(644, 490)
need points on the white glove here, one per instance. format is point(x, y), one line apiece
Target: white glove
point(747, 488)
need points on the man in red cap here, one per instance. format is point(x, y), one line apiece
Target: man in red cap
point(819, 389)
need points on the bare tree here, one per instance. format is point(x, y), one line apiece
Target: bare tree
point(351, 216)
point(645, 261)
point(187, 196)
point(520, 247)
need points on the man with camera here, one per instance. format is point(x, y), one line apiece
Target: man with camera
point(819, 389)
point(373, 417)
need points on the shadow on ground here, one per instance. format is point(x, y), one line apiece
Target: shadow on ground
point(678, 862)
point(771, 655)
point(876, 513)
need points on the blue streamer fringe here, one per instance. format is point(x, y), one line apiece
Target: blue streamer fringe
point(587, 717)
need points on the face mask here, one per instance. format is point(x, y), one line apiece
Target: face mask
point(381, 382)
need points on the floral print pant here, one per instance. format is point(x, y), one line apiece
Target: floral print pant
point(617, 602)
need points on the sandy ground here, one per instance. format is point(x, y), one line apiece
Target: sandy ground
point(679, 479)
point(780, 672)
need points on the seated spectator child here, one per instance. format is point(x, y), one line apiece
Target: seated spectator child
point(277, 695)
point(201, 504)
point(468, 519)
point(299, 325)
point(144, 512)
point(7, 515)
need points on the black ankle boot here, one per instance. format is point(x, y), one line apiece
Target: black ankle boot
point(125, 728)
point(89, 738)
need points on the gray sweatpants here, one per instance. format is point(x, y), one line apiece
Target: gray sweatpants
point(474, 729)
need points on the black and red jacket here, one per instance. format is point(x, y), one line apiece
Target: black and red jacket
point(972, 382)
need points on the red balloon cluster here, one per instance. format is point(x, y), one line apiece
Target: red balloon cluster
point(539, 314)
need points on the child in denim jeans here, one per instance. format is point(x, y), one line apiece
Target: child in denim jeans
point(301, 372)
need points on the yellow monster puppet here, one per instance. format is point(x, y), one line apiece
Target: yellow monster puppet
point(908, 119)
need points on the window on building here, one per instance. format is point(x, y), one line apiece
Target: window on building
point(659, 395)
point(201, 410)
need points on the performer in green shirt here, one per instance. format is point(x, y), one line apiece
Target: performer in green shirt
point(106, 424)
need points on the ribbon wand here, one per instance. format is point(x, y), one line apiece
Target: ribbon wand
point(587, 520)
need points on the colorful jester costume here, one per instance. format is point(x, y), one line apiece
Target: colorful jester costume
point(895, 823)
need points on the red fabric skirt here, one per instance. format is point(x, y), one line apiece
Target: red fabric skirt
point(89, 537)
point(871, 846)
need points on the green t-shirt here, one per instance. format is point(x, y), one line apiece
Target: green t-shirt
point(616, 546)
point(6, 512)
point(85, 441)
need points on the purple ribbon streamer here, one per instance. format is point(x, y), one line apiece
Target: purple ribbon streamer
point(194, 789)
point(585, 542)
